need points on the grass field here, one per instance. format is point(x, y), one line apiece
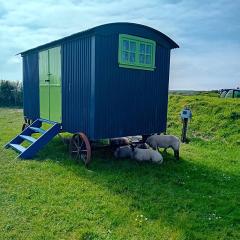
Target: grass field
point(52, 197)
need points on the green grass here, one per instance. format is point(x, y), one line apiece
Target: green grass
point(52, 197)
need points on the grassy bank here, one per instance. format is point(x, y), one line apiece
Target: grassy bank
point(51, 197)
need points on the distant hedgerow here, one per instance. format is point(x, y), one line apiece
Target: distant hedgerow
point(11, 93)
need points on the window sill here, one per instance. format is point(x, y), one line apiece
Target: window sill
point(137, 67)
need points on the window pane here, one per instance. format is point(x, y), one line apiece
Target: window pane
point(133, 46)
point(148, 59)
point(148, 49)
point(141, 58)
point(132, 57)
point(142, 48)
point(125, 45)
point(124, 56)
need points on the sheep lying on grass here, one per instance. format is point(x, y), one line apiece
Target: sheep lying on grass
point(123, 152)
point(142, 145)
point(148, 154)
point(140, 153)
point(165, 141)
point(127, 152)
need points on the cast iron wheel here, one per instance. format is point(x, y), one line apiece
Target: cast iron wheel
point(80, 148)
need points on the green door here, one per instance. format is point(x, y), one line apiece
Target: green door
point(44, 84)
point(50, 84)
point(55, 99)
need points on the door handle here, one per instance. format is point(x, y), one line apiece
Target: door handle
point(47, 80)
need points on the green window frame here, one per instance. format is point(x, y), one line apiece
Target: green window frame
point(136, 52)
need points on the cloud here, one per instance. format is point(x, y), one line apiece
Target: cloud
point(208, 33)
point(207, 70)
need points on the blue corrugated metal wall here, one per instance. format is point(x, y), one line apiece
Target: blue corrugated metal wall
point(98, 97)
point(129, 101)
point(30, 86)
point(76, 85)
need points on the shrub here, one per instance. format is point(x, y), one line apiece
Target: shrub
point(11, 93)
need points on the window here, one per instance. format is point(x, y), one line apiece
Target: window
point(136, 52)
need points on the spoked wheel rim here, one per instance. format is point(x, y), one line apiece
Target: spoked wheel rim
point(80, 148)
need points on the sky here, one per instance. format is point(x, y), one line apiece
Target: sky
point(208, 33)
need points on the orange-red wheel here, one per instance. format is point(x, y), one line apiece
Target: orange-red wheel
point(80, 148)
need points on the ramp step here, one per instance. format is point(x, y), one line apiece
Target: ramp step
point(39, 130)
point(17, 147)
point(47, 121)
point(28, 138)
point(36, 143)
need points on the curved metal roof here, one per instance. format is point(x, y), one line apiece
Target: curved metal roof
point(99, 29)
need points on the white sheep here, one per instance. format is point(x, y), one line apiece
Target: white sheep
point(142, 145)
point(148, 154)
point(123, 152)
point(165, 141)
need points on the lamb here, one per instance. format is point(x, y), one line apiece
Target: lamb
point(140, 152)
point(165, 141)
point(123, 152)
point(148, 154)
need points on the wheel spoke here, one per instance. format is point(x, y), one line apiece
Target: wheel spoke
point(83, 157)
point(77, 155)
point(78, 140)
point(75, 144)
